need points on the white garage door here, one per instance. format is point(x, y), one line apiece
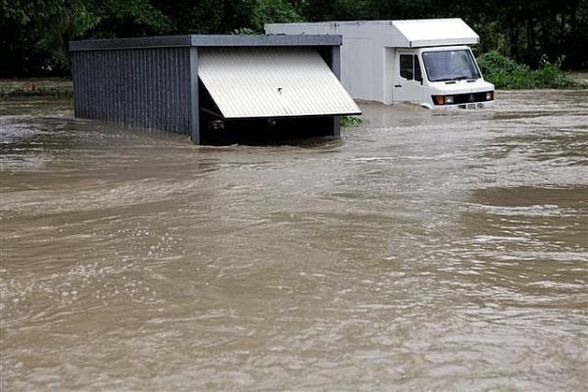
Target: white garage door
point(272, 82)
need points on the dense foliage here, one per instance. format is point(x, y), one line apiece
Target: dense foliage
point(34, 33)
point(508, 74)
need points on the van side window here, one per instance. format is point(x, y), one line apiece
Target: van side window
point(406, 66)
point(418, 76)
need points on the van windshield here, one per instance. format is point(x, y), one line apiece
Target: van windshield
point(450, 65)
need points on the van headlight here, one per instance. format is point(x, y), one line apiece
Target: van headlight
point(443, 99)
point(489, 95)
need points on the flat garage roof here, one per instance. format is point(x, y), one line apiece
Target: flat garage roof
point(200, 40)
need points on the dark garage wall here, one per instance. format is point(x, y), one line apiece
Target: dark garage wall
point(140, 87)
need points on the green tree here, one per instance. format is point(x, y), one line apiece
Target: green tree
point(34, 34)
point(218, 16)
point(270, 11)
point(194, 16)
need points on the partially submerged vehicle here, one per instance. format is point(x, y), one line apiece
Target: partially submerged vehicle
point(425, 61)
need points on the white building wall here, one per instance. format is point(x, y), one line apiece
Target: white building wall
point(364, 66)
point(388, 68)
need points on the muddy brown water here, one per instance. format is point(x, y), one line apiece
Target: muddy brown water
point(420, 252)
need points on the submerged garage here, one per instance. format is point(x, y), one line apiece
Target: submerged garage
point(216, 88)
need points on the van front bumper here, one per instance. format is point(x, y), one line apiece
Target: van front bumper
point(474, 105)
point(466, 106)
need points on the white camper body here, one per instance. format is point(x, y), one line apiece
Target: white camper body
point(426, 61)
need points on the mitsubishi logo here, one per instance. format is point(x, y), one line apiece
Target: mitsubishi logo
point(472, 98)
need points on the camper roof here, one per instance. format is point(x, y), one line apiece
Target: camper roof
point(413, 33)
point(433, 32)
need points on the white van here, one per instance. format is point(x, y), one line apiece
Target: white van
point(425, 61)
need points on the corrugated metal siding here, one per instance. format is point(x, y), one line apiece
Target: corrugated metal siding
point(272, 82)
point(142, 88)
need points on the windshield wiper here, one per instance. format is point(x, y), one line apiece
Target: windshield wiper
point(469, 79)
point(453, 80)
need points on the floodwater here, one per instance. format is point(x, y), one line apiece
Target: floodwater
point(420, 252)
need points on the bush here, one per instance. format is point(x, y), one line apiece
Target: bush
point(350, 121)
point(506, 73)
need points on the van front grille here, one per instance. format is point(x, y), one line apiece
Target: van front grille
point(470, 98)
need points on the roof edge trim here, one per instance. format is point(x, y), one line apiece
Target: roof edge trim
point(174, 41)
